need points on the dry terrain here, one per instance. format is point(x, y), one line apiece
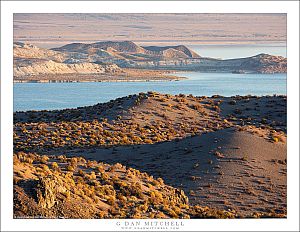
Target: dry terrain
point(224, 157)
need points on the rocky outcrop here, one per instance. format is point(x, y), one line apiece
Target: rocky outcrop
point(77, 188)
point(47, 190)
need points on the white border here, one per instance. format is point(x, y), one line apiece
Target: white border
point(8, 8)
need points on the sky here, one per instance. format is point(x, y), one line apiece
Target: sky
point(52, 30)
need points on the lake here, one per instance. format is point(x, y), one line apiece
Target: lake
point(48, 96)
point(239, 50)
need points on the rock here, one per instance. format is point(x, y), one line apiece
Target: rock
point(47, 189)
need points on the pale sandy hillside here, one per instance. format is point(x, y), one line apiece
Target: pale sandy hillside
point(52, 67)
point(30, 60)
point(23, 50)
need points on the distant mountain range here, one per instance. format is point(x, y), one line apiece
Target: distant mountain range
point(127, 50)
point(111, 56)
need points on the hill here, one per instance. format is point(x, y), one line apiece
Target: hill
point(62, 187)
point(33, 64)
point(123, 46)
point(180, 48)
point(29, 51)
point(115, 48)
point(231, 150)
point(49, 67)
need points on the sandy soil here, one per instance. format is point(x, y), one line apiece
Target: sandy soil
point(225, 153)
point(226, 169)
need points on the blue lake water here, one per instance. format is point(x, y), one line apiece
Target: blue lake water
point(237, 51)
point(39, 96)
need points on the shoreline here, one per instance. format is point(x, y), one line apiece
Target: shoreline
point(91, 81)
point(126, 75)
point(164, 78)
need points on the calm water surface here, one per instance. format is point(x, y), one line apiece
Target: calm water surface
point(39, 96)
point(238, 51)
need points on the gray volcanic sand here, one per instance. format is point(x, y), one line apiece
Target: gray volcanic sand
point(247, 179)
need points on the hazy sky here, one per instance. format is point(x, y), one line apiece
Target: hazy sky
point(50, 30)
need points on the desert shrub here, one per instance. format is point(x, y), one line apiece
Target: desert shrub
point(104, 176)
point(80, 172)
point(155, 197)
point(16, 180)
point(118, 166)
point(26, 158)
point(136, 139)
point(54, 166)
point(100, 168)
point(160, 215)
point(74, 160)
point(16, 160)
point(160, 180)
point(62, 158)
point(136, 189)
point(121, 197)
point(70, 168)
point(45, 168)
point(245, 158)
point(172, 213)
point(155, 182)
point(67, 194)
point(111, 200)
point(148, 141)
point(91, 164)
point(44, 159)
point(102, 214)
point(92, 176)
point(196, 107)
